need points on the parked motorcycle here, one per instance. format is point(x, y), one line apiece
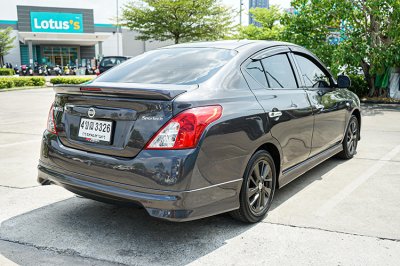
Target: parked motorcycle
point(57, 70)
point(42, 70)
point(67, 70)
point(45, 70)
point(30, 71)
point(49, 70)
point(89, 71)
point(74, 70)
point(16, 70)
point(24, 70)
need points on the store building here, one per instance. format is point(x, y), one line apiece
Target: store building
point(57, 34)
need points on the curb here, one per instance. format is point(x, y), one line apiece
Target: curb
point(23, 88)
point(379, 102)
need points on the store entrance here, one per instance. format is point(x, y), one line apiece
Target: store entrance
point(59, 56)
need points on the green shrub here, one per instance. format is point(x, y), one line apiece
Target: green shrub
point(28, 81)
point(38, 81)
point(69, 80)
point(359, 85)
point(6, 72)
point(22, 82)
point(6, 83)
point(10, 82)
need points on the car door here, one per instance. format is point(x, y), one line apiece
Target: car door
point(329, 106)
point(289, 114)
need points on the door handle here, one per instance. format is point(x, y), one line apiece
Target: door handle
point(275, 114)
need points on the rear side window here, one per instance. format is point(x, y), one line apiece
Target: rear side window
point(256, 70)
point(170, 66)
point(279, 72)
point(313, 75)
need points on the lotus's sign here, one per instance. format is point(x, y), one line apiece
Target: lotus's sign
point(56, 22)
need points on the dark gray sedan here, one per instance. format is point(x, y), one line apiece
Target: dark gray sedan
point(193, 130)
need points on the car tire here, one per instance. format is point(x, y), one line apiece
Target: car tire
point(350, 139)
point(258, 188)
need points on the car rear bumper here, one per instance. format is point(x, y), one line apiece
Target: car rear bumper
point(191, 198)
point(169, 205)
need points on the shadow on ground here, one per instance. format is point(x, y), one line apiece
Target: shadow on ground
point(378, 109)
point(128, 235)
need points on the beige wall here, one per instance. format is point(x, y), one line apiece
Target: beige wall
point(133, 47)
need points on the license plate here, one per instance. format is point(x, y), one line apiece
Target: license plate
point(95, 130)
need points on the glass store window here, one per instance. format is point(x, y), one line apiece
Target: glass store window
point(61, 56)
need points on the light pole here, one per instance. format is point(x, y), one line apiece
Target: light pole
point(240, 11)
point(117, 28)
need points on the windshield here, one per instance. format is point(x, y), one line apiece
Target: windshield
point(170, 66)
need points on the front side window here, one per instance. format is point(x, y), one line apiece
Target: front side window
point(279, 72)
point(170, 66)
point(313, 75)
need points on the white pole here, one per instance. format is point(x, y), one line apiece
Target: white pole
point(118, 28)
point(240, 12)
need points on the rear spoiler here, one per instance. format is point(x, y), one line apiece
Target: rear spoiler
point(131, 90)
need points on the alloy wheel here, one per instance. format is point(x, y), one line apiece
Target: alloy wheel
point(352, 137)
point(259, 187)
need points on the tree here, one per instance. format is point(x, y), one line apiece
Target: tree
point(179, 20)
point(269, 29)
point(6, 43)
point(310, 27)
point(370, 32)
point(372, 29)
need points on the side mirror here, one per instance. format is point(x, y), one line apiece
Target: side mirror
point(343, 82)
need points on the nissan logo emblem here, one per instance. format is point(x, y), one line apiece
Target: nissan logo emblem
point(91, 112)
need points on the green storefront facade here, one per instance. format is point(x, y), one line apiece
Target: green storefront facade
point(56, 36)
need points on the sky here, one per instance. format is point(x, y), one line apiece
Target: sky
point(105, 9)
point(282, 3)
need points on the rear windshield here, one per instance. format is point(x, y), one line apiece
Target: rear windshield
point(170, 66)
point(111, 61)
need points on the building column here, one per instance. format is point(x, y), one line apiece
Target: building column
point(30, 52)
point(100, 45)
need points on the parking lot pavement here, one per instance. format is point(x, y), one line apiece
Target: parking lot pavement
point(339, 213)
point(23, 117)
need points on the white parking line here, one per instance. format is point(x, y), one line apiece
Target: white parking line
point(346, 191)
point(19, 143)
point(6, 262)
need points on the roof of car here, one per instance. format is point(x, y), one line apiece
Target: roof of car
point(231, 44)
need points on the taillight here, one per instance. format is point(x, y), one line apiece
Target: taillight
point(89, 89)
point(51, 125)
point(185, 129)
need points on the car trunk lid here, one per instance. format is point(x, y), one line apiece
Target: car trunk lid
point(115, 119)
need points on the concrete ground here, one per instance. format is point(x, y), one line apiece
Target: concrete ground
point(339, 213)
